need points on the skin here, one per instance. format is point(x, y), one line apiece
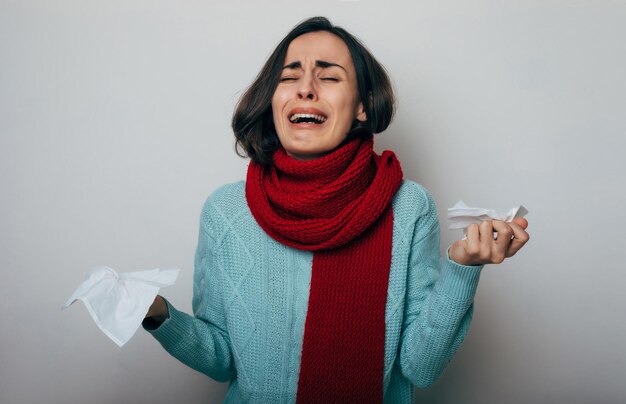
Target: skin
point(480, 247)
point(318, 77)
point(308, 86)
point(158, 310)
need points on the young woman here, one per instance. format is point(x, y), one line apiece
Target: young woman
point(319, 279)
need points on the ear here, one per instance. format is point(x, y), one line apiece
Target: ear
point(360, 113)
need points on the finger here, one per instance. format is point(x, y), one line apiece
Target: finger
point(520, 237)
point(473, 233)
point(486, 239)
point(465, 251)
point(504, 232)
point(523, 223)
point(472, 242)
point(501, 244)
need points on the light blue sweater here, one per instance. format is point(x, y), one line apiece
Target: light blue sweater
point(251, 293)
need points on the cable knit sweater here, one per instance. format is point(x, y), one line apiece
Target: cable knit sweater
point(251, 293)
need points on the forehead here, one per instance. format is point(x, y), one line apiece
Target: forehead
point(321, 45)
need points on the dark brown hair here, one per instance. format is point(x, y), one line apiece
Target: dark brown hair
point(252, 122)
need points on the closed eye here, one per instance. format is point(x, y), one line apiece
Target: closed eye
point(287, 79)
point(330, 79)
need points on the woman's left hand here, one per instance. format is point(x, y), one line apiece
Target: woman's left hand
point(480, 246)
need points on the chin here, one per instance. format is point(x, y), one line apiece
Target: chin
point(304, 155)
point(302, 150)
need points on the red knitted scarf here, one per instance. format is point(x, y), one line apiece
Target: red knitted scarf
point(340, 207)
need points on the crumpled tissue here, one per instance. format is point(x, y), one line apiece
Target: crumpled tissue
point(118, 302)
point(460, 215)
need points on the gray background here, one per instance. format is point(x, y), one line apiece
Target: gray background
point(114, 128)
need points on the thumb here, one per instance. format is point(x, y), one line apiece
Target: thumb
point(456, 252)
point(520, 221)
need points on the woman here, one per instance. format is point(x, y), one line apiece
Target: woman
point(319, 278)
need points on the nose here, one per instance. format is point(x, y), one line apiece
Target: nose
point(306, 88)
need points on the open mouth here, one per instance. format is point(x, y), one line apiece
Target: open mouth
point(307, 118)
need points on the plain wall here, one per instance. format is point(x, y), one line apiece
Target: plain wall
point(115, 127)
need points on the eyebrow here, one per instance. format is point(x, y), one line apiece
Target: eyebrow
point(318, 63)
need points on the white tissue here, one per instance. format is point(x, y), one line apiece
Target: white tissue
point(118, 303)
point(460, 215)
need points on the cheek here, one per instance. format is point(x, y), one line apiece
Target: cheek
point(278, 102)
point(275, 107)
point(347, 110)
point(276, 112)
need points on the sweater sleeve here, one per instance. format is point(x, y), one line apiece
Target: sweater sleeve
point(439, 305)
point(200, 341)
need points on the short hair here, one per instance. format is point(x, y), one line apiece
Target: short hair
point(253, 123)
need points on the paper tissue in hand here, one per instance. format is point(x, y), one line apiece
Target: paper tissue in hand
point(118, 303)
point(460, 215)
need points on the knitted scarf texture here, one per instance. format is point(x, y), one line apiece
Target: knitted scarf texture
point(338, 206)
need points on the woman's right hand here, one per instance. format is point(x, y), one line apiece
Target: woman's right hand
point(158, 310)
